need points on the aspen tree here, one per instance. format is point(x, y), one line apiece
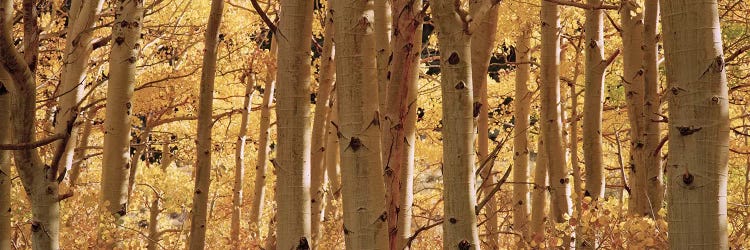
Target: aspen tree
point(333, 172)
point(482, 45)
point(400, 120)
point(5, 178)
point(521, 133)
point(593, 101)
point(116, 163)
point(239, 159)
point(41, 186)
point(539, 193)
point(293, 114)
point(264, 132)
point(698, 125)
point(551, 120)
point(631, 23)
point(653, 176)
point(460, 227)
point(81, 18)
point(75, 169)
point(322, 109)
point(359, 128)
point(383, 21)
point(198, 223)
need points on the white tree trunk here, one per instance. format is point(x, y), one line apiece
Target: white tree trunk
point(239, 161)
point(522, 106)
point(261, 158)
point(593, 102)
point(632, 59)
point(293, 115)
point(653, 173)
point(460, 227)
point(539, 193)
point(359, 128)
point(333, 172)
point(400, 120)
point(82, 15)
point(698, 125)
point(322, 109)
point(551, 119)
point(198, 223)
point(126, 45)
point(482, 45)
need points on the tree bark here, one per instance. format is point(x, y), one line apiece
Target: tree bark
point(5, 178)
point(652, 167)
point(80, 155)
point(482, 45)
point(293, 114)
point(539, 193)
point(521, 135)
point(551, 124)
point(116, 163)
point(41, 187)
point(698, 125)
point(593, 102)
point(360, 131)
point(322, 109)
point(333, 172)
point(82, 16)
point(400, 120)
point(239, 161)
point(198, 221)
point(261, 159)
point(632, 59)
point(383, 21)
point(458, 124)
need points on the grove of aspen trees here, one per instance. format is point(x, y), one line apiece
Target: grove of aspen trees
point(374, 124)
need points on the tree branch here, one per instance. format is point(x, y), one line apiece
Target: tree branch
point(31, 145)
point(585, 6)
point(494, 190)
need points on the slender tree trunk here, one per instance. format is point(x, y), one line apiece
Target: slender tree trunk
point(333, 172)
point(153, 224)
point(382, 27)
point(698, 125)
point(482, 45)
point(521, 135)
point(80, 155)
point(41, 187)
point(322, 109)
point(198, 221)
point(539, 193)
point(82, 15)
point(261, 159)
point(5, 178)
point(593, 101)
point(551, 124)
point(400, 120)
point(141, 150)
point(116, 163)
point(652, 168)
point(239, 161)
point(359, 128)
point(294, 135)
point(632, 58)
point(460, 229)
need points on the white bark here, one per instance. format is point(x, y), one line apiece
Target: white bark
point(239, 161)
point(5, 178)
point(293, 114)
point(653, 175)
point(520, 134)
point(359, 128)
point(198, 223)
point(698, 125)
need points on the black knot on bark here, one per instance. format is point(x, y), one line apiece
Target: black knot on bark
point(688, 178)
point(454, 59)
point(303, 245)
point(35, 226)
point(464, 245)
point(688, 130)
point(460, 85)
point(453, 220)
